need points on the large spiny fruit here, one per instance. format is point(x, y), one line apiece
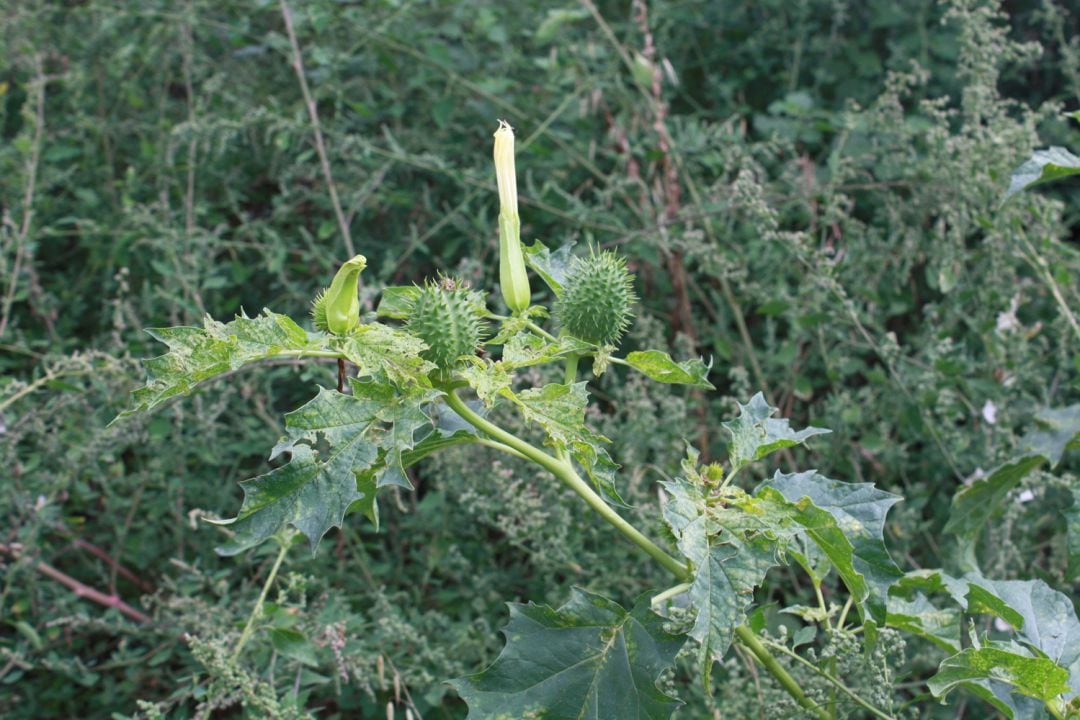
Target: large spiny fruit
point(445, 316)
point(596, 300)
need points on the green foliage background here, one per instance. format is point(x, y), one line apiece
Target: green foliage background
point(810, 196)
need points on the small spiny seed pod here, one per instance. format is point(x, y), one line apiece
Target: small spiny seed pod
point(445, 316)
point(596, 300)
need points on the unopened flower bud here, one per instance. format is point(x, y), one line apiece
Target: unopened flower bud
point(337, 309)
point(513, 280)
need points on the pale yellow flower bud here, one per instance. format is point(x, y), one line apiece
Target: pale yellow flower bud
point(513, 279)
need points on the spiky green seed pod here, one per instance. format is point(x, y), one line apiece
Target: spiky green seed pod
point(597, 298)
point(445, 316)
point(337, 309)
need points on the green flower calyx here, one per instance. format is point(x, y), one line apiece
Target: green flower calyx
point(447, 316)
point(597, 298)
point(513, 280)
point(336, 310)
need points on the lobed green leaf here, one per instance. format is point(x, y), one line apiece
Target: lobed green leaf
point(588, 660)
point(755, 433)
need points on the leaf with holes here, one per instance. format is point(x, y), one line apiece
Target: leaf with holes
point(755, 433)
point(198, 354)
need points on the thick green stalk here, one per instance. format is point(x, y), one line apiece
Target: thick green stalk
point(565, 472)
point(750, 640)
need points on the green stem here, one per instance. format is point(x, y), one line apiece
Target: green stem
point(499, 446)
point(541, 331)
point(750, 640)
point(1054, 711)
point(250, 627)
point(671, 592)
point(569, 378)
point(564, 472)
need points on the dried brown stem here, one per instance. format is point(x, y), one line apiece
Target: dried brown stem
point(313, 114)
point(80, 589)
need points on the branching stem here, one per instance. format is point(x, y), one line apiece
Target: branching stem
point(839, 685)
point(566, 473)
point(569, 477)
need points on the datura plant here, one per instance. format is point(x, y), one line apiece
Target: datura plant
point(429, 369)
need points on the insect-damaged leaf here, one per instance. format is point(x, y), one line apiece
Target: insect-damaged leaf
point(755, 433)
point(199, 354)
point(332, 441)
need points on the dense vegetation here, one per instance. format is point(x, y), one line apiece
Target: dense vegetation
point(810, 194)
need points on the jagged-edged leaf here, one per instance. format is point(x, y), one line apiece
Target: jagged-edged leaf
point(659, 366)
point(978, 669)
point(919, 616)
point(397, 301)
point(552, 267)
point(588, 660)
point(1043, 166)
point(488, 379)
point(727, 567)
point(1042, 617)
point(1047, 619)
point(525, 349)
point(974, 504)
point(342, 448)
point(755, 433)
point(778, 514)
point(328, 444)
point(199, 354)
point(860, 510)
point(380, 349)
point(404, 417)
point(560, 410)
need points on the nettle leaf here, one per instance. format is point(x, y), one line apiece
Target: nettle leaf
point(973, 505)
point(378, 349)
point(977, 669)
point(859, 510)
point(199, 354)
point(560, 410)
point(1044, 166)
point(755, 433)
point(552, 267)
point(660, 367)
point(588, 660)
